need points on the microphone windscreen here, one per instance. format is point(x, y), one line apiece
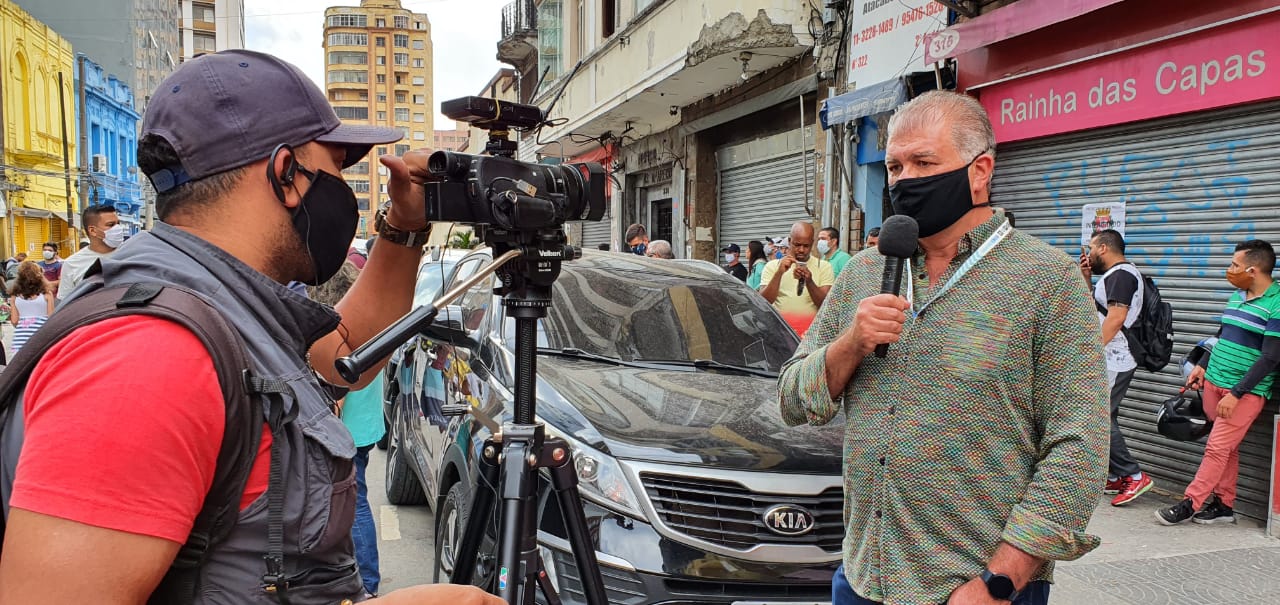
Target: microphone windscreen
point(899, 236)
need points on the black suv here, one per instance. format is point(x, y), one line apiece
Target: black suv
point(662, 376)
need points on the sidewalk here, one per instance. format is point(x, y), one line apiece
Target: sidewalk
point(1143, 562)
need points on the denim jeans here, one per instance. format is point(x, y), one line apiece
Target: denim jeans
point(1036, 593)
point(364, 533)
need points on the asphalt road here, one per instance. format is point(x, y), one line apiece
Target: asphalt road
point(405, 546)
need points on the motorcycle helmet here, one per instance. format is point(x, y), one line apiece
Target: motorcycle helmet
point(1195, 354)
point(1182, 418)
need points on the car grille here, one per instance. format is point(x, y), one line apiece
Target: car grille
point(621, 587)
point(730, 515)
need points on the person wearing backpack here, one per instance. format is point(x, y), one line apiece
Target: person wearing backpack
point(108, 478)
point(1118, 295)
point(1238, 378)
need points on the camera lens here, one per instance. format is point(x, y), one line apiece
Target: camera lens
point(448, 163)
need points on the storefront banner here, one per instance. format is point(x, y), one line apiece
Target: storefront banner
point(1227, 65)
point(1100, 217)
point(887, 40)
point(1003, 23)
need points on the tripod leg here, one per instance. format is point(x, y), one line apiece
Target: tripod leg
point(548, 591)
point(518, 482)
point(464, 556)
point(565, 483)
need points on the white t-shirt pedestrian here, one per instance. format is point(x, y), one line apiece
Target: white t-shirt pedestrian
point(1121, 284)
point(74, 268)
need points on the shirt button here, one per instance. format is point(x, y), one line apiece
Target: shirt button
point(878, 514)
point(882, 461)
point(892, 409)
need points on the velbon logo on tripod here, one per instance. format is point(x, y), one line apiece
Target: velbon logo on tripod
point(788, 520)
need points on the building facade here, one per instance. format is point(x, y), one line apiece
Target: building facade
point(378, 71)
point(136, 39)
point(706, 124)
point(210, 26)
point(38, 113)
point(107, 129)
point(452, 140)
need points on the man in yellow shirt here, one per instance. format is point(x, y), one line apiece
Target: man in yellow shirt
point(797, 284)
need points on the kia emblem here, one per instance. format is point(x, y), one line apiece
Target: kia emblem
point(788, 520)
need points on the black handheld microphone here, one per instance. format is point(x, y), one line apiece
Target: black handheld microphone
point(898, 241)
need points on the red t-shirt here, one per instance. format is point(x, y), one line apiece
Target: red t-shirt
point(124, 420)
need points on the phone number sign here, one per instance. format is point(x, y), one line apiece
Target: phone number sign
point(889, 36)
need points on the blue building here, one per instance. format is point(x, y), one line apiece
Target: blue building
point(107, 125)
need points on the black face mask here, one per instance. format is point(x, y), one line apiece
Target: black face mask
point(326, 220)
point(935, 202)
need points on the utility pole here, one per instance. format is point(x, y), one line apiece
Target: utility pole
point(84, 126)
point(4, 182)
point(66, 162)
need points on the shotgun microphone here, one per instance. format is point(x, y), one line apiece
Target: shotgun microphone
point(899, 237)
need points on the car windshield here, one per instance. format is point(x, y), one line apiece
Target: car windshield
point(431, 276)
point(683, 314)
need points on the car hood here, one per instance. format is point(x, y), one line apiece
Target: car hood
point(682, 416)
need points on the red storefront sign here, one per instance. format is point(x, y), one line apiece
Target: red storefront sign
point(1226, 65)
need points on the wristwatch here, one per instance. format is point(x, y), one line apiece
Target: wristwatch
point(388, 232)
point(999, 586)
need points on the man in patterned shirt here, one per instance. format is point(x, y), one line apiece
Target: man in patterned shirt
point(975, 451)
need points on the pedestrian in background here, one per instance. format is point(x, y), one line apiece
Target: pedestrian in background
point(32, 305)
point(733, 265)
point(51, 265)
point(361, 413)
point(105, 232)
point(1238, 378)
point(829, 249)
point(797, 284)
point(637, 239)
point(873, 238)
point(975, 450)
point(660, 248)
point(756, 259)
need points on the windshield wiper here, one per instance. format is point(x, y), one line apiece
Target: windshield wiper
point(573, 353)
point(711, 364)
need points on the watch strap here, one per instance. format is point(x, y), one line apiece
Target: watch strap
point(388, 232)
point(1000, 586)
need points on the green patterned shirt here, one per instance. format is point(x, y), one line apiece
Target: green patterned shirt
point(987, 422)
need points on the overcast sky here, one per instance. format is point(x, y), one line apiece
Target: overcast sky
point(464, 36)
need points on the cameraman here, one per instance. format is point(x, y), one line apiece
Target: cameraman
point(246, 156)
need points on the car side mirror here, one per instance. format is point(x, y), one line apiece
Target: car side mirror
point(448, 328)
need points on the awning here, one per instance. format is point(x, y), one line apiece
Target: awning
point(1003, 23)
point(865, 101)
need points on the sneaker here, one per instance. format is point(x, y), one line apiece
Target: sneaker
point(1132, 489)
point(1176, 514)
point(1114, 486)
point(1215, 512)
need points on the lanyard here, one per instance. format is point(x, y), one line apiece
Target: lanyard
point(986, 247)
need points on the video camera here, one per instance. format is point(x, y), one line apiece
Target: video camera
point(504, 193)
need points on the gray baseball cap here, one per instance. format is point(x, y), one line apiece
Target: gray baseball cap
point(224, 110)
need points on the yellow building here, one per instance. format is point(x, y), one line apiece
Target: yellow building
point(378, 71)
point(34, 178)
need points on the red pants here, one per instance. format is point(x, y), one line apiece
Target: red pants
point(1221, 465)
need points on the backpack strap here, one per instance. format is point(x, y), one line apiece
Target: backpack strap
point(241, 436)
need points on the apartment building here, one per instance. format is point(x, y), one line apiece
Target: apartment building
point(704, 112)
point(378, 71)
point(210, 26)
point(452, 140)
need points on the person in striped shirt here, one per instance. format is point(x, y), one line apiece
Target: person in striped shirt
point(1237, 381)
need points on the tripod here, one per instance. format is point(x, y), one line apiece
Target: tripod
point(515, 455)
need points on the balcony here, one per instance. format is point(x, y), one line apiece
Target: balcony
point(518, 45)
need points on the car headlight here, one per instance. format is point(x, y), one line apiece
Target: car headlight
point(600, 478)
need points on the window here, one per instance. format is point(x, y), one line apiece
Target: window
point(355, 77)
point(402, 59)
point(348, 21)
point(361, 168)
point(382, 78)
point(419, 81)
point(419, 45)
point(608, 17)
point(404, 130)
point(419, 62)
point(401, 22)
point(399, 79)
point(401, 97)
point(359, 185)
point(363, 202)
point(382, 97)
point(380, 23)
point(204, 43)
point(402, 114)
point(382, 116)
point(382, 150)
point(419, 25)
point(381, 42)
point(348, 58)
point(380, 60)
point(348, 39)
point(420, 99)
point(352, 113)
point(420, 118)
point(550, 43)
point(402, 149)
point(401, 41)
point(419, 136)
point(202, 12)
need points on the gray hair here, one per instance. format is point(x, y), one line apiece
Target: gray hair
point(660, 248)
point(970, 126)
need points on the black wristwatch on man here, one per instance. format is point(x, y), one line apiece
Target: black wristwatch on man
point(1000, 586)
